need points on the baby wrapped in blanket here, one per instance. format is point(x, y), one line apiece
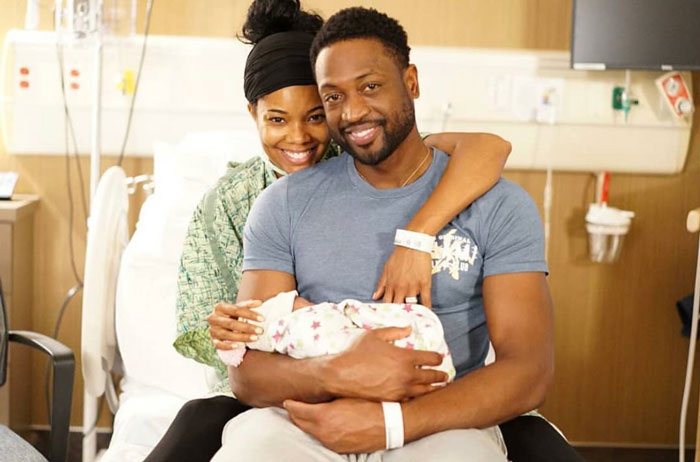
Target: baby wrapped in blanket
point(331, 328)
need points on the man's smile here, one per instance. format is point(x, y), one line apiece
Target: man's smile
point(363, 134)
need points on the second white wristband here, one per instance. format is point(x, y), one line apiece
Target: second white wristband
point(393, 424)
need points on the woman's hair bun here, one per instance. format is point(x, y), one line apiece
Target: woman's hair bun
point(267, 17)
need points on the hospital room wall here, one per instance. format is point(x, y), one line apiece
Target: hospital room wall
point(620, 358)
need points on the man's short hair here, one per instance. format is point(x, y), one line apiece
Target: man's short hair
point(358, 22)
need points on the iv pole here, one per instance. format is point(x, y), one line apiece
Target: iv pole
point(90, 402)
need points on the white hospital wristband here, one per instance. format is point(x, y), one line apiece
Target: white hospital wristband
point(393, 424)
point(414, 240)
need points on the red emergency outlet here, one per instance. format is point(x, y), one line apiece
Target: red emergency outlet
point(75, 72)
point(24, 84)
point(24, 71)
point(75, 86)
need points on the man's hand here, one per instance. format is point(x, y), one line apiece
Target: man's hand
point(407, 273)
point(374, 369)
point(345, 426)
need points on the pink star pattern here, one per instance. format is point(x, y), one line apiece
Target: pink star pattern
point(340, 320)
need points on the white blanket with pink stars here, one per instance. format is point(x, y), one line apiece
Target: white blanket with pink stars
point(330, 328)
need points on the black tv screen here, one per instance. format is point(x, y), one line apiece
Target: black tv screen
point(636, 34)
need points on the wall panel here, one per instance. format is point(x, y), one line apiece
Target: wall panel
point(620, 357)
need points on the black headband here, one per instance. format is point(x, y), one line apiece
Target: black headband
point(278, 61)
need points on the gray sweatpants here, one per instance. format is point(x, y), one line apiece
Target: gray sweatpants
point(268, 435)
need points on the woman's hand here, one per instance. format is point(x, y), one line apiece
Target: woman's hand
point(407, 273)
point(226, 328)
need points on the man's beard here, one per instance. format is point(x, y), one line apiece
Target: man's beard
point(394, 133)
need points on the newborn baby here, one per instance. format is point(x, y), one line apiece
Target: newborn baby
point(330, 328)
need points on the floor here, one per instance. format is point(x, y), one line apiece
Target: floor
point(632, 455)
point(40, 440)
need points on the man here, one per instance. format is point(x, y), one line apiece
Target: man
point(325, 232)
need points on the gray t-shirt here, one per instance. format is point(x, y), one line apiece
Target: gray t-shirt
point(334, 232)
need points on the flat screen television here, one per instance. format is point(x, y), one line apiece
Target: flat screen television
point(636, 34)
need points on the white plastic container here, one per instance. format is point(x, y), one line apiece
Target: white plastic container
point(607, 227)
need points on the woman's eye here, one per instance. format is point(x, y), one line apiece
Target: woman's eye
point(276, 120)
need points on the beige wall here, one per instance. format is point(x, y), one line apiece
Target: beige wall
point(620, 358)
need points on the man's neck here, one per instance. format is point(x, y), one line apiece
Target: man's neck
point(404, 166)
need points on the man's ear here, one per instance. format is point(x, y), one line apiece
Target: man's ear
point(410, 79)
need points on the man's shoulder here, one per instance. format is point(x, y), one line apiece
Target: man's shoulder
point(328, 168)
point(307, 183)
point(294, 192)
point(503, 193)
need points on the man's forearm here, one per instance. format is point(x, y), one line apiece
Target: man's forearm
point(267, 379)
point(485, 397)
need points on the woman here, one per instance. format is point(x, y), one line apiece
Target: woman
point(285, 105)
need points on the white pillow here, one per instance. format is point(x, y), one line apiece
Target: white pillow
point(145, 316)
point(146, 292)
point(200, 158)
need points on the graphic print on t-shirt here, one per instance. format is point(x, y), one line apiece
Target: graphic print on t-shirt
point(453, 253)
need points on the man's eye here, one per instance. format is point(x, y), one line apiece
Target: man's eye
point(332, 98)
point(317, 118)
point(372, 86)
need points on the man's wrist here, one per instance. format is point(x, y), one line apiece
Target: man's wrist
point(328, 376)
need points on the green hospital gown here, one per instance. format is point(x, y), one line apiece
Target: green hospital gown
point(212, 257)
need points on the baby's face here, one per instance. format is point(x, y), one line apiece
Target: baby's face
point(300, 302)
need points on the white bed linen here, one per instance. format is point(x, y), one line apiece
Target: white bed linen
point(145, 413)
point(158, 381)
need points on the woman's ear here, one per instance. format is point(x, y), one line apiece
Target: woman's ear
point(252, 110)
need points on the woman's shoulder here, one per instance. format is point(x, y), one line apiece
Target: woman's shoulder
point(251, 175)
point(236, 170)
point(240, 185)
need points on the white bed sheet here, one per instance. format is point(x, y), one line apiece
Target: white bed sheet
point(144, 414)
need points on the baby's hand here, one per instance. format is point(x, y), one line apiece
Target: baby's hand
point(300, 302)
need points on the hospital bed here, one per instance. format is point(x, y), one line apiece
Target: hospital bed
point(129, 311)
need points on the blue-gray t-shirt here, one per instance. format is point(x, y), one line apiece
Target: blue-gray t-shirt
point(334, 232)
